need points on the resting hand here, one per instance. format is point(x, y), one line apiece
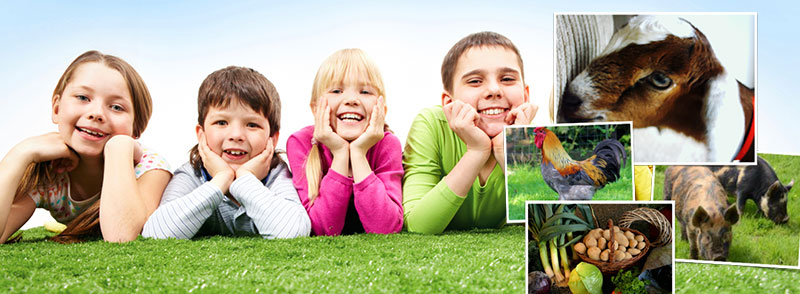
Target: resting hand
point(258, 165)
point(50, 147)
point(462, 119)
point(498, 144)
point(522, 114)
point(323, 132)
point(212, 162)
point(374, 132)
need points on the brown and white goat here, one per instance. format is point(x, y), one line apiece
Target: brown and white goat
point(661, 73)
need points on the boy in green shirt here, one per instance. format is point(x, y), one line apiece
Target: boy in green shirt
point(453, 158)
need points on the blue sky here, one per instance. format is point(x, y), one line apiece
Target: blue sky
point(175, 45)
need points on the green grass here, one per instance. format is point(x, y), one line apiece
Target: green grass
point(756, 239)
point(525, 183)
point(715, 278)
point(454, 262)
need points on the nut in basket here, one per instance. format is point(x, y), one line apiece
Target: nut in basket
point(612, 249)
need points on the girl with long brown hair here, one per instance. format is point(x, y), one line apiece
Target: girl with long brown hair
point(91, 174)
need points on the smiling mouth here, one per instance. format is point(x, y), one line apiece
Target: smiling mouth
point(493, 111)
point(90, 132)
point(235, 153)
point(351, 117)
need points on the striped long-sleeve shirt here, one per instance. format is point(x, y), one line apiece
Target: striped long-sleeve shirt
point(192, 206)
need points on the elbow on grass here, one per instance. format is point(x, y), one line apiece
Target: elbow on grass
point(416, 227)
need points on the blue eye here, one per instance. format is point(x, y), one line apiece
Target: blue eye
point(221, 123)
point(82, 98)
point(117, 107)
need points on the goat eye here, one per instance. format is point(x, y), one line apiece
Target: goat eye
point(660, 80)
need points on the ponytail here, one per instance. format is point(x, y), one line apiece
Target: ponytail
point(313, 172)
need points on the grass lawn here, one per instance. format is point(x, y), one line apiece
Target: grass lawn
point(715, 278)
point(454, 262)
point(525, 183)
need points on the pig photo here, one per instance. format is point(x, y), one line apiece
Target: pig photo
point(702, 209)
point(767, 232)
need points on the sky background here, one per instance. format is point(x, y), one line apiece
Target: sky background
point(174, 46)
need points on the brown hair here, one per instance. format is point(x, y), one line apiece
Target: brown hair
point(481, 39)
point(240, 85)
point(38, 175)
point(333, 71)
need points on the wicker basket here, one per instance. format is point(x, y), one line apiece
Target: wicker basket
point(654, 218)
point(611, 266)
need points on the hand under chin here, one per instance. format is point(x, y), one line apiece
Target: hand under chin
point(493, 129)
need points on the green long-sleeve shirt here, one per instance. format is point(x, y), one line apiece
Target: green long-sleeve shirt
point(432, 150)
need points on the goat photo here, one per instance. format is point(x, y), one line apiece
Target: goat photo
point(686, 81)
point(567, 162)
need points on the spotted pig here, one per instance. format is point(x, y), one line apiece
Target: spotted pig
point(702, 209)
point(758, 183)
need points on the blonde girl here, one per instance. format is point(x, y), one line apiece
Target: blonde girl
point(348, 165)
point(101, 105)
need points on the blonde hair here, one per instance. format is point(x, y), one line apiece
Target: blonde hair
point(332, 72)
point(38, 175)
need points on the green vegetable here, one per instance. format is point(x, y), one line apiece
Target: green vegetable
point(628, 283)
point(548, 225)
point(586, 279)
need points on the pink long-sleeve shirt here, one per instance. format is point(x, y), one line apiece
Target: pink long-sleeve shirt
point(373, 205)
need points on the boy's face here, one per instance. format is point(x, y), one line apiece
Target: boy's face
point(94, 106)
point(489, 79)
point(236, 133)
point(351, 104)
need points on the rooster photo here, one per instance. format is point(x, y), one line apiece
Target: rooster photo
point(567, 162)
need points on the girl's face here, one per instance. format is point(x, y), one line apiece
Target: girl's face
point(94, 106)
point(236, 133)
point(351, 103)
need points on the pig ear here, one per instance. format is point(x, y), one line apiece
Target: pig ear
point(699, 217)
point(732, 215)
point(772, 192)
point(789, 186)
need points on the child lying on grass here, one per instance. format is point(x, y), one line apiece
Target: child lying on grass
point(235, 182)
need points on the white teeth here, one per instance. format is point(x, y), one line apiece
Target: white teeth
point(234, 152)
point(96, 134)
point(352, 116)
point(493, 111)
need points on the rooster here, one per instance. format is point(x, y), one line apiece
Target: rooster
point(578, 180)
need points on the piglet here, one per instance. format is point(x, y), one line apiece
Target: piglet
point(758, 183)
point(702, 209)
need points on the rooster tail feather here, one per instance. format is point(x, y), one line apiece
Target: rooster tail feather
point(609, 152)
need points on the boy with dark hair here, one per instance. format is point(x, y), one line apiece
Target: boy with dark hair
point(234, 183)
point(453, 159)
